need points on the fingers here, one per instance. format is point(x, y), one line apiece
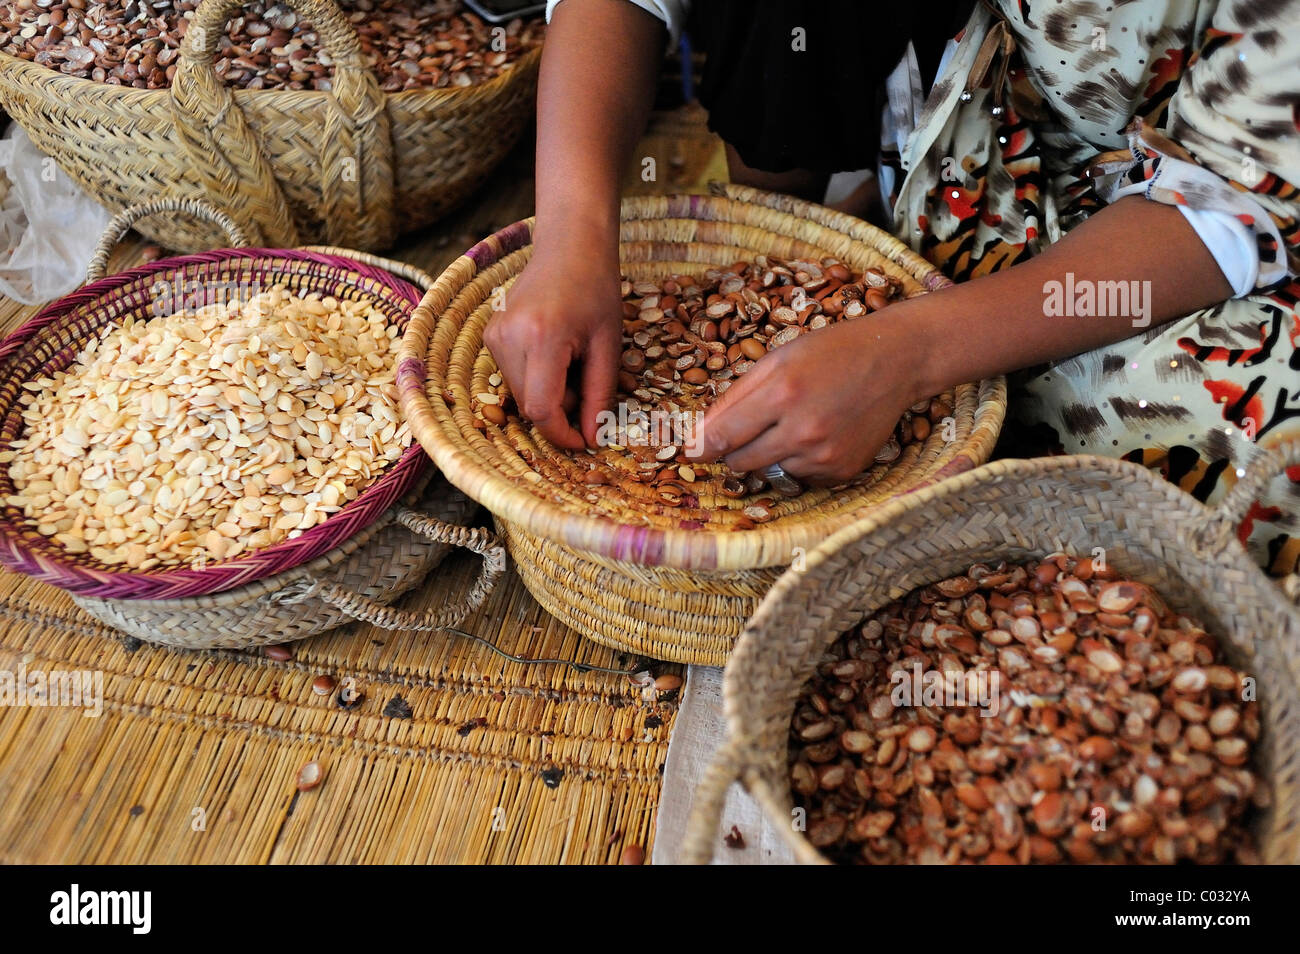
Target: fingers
point(770, 447)
point(739, 416)
point(599, 379)
point(542, 399)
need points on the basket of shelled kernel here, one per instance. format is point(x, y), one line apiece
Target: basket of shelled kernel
point(639, 543)
point(1009, 668)
point(207, 450)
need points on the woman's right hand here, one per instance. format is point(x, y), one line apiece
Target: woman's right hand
point(559, 340)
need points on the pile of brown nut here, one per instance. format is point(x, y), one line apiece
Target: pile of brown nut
point(198, 436)
point(1120, 735)
point(424, 45)
point(685, 340)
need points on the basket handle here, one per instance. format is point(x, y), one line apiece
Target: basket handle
point(122, 222)
point(1222, 521)
point(356, 150)
point(412, 273)
point(706, 807)
point(476, 540)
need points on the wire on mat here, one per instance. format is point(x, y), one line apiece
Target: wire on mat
point(525, 660)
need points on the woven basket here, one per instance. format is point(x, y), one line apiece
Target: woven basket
point(1015, 509)
point(680, 595)
point(354, 581)
point(353, 166)
point(50, 341)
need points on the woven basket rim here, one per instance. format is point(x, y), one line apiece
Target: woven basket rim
point(1011, 468)
point(426, 484)
point(124, 94)
point(604, 536)
point(395, 481)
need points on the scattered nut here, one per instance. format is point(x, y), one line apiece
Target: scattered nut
point(309, 776)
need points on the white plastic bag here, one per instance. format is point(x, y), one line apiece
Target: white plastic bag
point(48, 226)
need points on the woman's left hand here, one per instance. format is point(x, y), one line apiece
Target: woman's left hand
point(821, 406)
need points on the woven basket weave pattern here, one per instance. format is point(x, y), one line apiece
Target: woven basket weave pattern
point(672, 593)
point(1012, 510)
point(380, 563)
point(50, 342)
point(351, 167)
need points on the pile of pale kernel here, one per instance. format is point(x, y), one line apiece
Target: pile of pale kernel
point(202, 435)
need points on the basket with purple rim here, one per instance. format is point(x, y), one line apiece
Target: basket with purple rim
point(51, 341)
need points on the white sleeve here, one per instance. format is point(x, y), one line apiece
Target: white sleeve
point(1231, 243)
point(671, 12)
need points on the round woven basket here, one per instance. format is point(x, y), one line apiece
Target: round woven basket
point(1014, 510)
point(51, 340)
point(354, 581)
point(675, 594)
point(353, 166)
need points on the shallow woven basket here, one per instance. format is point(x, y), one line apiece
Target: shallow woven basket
point(354, 581)
point(1015, 509)
point(680, 595)
point(51, 340)
point(354, 166)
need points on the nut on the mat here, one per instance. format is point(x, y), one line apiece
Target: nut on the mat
point(278, 653)
point(323, 685)
point(1042, 713)
point(195, 437)
point(632, 855)
point(310, 775)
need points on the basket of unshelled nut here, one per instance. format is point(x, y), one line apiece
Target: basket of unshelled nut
point(207, 450)
point(1063, 660)
point(635, 543)
point(308, 121)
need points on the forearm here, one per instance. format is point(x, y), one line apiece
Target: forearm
point(1010, 320)
point(595, 91)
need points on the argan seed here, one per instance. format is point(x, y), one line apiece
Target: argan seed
point(632, 855)
point(323, 685)
point(309, 776)
point(921, 739)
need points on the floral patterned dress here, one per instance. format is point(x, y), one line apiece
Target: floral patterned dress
point(1047, 110)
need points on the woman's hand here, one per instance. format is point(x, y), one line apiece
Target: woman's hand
point(558, 341)
point(822, 405)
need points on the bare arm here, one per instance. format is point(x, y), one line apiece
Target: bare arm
point(998, 323)
point(563, 315)
point(595, 91)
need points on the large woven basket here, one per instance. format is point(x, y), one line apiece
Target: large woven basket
point(353, 167)
point(50, 341)
point(674, 594)
point(1015, 509)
